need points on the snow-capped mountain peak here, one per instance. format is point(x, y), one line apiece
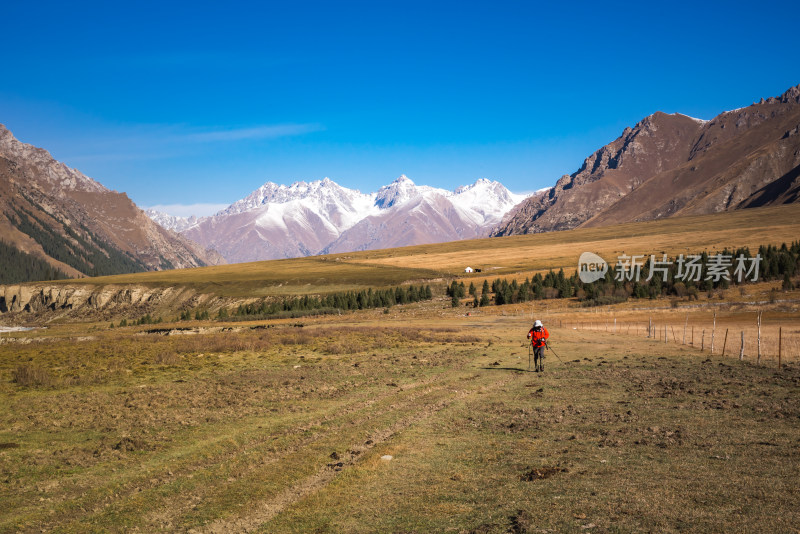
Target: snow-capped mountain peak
point(306, 218)
point(175, 223)
point(488, 198)
point(317, 192)
point(401, 190)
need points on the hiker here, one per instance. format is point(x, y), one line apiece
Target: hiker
point(538, 336)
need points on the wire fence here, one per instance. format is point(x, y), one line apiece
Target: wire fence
point(767, 344)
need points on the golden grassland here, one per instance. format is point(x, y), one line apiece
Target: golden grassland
point(508, 256)
point(538, 252)
point(284, 427)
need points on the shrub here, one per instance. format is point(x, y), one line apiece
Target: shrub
point(167, 358)
point(27, 375)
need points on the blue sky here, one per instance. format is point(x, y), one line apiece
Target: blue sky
point(200, 103)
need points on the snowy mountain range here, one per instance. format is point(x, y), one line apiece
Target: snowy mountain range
point(278, 221)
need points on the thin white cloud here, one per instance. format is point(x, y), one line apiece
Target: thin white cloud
point(187, 210)
point(258, 132)
point(159, 141)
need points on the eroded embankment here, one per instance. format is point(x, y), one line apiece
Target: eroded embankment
point(85, 299)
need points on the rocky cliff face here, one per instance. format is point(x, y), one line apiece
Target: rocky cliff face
point(45, 301)
point(670, 165)
point(57, 214)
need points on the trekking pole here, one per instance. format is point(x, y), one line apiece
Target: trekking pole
point(554, 352)
point(530, 349)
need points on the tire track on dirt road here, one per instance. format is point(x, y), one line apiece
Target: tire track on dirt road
point(148, 479)
point(262, 512)
point(173, 508)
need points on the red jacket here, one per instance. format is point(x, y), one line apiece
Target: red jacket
point(538, 337)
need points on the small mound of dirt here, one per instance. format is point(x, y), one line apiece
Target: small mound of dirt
point(542, 473)
point(521, 523)
point(484, 528)
point(130, 444)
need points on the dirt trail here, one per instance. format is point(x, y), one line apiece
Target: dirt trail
point(263, 512)
point(174, 507)
point(146, 478)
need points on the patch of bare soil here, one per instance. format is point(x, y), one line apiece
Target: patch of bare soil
point(540, 473)
point(521, 522)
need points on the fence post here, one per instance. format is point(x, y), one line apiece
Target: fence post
point(713, 331)
point(684, 329)
point(758, 359)
point(780, 345)
point(724, 342)
point(650, 327)
point(665, 333)
point(703, 340)
point(741, 351)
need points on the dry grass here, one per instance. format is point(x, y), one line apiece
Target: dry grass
point(517, 255)
point(276, 430)
point(27, 375)
point(534, 253)
point(167, 358)
point(281, 427)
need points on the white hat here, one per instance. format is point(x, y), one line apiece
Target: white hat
point(537, 323)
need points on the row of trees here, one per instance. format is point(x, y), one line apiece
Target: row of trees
point(350, 300)
point(147, 319)
point(652, 279)
point(655, 279)
point(677, 278)
point(300, 306)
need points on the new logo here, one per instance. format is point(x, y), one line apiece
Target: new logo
point(591, 267)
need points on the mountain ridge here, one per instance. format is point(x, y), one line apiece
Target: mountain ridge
point(667, 165)
point(59, 216)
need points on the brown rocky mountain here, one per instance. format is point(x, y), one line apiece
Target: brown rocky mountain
point(671, 165)
point(61, 218)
